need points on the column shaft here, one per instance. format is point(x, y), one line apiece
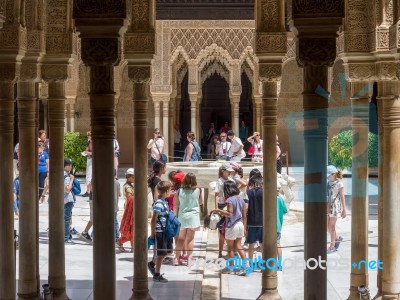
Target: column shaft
point(391, 205)
point(315, 182)
point(7, 263)
point(359, 216)
point(257, 122)
point(269, 121)
point(27, 123)
point(140, 278)
point(193, 112)
point(156, 114)
point(102, 106)
point(56, 104)
point(235, 117)
point(165, 111)
point(171, 126)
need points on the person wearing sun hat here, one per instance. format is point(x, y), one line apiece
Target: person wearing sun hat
point(235, 152)
point(336, 205)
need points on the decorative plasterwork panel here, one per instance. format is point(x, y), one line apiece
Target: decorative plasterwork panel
point(193, 36)
point(214, 68)
point(316, 8)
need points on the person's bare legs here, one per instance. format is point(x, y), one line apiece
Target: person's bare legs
point(231, 249)
point(158, 262)
point(180, 241)
point(239, 248)
point(221, 242)
point(332, 230)
point(88, 226)
point(189, 241)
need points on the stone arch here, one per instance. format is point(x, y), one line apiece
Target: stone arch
point(248, 57)
point(211, 53)
point(214, 67)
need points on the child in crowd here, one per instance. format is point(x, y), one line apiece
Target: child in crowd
point(235, 220)
point(117, 194)
point(254, 213)
point(336, 205)
point(158, 223)
point(16, 194)
point(224, 175)
point(281, 209)
point(68, 199)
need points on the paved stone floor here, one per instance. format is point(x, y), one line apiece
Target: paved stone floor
point(186, 283)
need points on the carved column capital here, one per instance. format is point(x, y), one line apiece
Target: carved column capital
point(360, 71)
point(270, 72)
point(100, 51)
point(10, 72)
point(388, 70)
point(56, 72)
point(139, 74)
point(316, 52)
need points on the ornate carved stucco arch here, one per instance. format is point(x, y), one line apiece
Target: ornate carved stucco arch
point(214, 53)
point(214, 67)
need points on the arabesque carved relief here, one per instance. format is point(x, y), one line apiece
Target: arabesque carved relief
point(316, 52)
point(100, 51)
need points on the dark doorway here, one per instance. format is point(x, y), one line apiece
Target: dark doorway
point(215, 106)
point(246, 103)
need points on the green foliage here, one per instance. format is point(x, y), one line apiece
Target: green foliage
point(340, 150)
point(74, 144)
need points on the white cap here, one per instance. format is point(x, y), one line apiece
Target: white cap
point(130, 171)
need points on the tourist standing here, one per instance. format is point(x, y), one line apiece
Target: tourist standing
point(128, 219)
point(89, 162)
point(156, 146)
point(43, 166)
point(225, 128)
point(243, 131)
point(279, 163)
point(257, 146)
point(44, 140)
point(223, 146)
point(192, 150)
point(336, 205)
point(68, 200)
point(208, 139)
point(158, 170)
point(177, 141)
point(235, 152)
point(186, 207)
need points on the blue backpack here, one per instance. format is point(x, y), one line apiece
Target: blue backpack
point(76, 186)
point(172, 224)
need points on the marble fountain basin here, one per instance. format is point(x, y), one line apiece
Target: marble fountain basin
point(207, 171)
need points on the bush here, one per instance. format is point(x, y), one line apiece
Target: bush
point(340, 150)
point(74, 144)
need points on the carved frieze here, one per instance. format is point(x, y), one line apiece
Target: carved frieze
point(270, 72)
point(56, 17)
point(394, 42)
point(36, 41)
point(99, 9)
point(140, 16)
point(13, 39)
point(29, 72)
point(317, 8)
point(59, 43)
point(9, 71)
point(360, 72)
point(381, 40)
point(139, 74)
point(356, 42)
point(100, 51)
point(270, 43)
point(270, 16)
point(387, 70)
point(139, 43)
point(60, 72)
point(316, 51)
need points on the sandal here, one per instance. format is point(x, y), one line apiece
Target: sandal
point(331, 250)
point(337, 243)
point(120, 247)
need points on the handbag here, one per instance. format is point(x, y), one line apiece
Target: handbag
point(251, 150)
point(199, 158)
point(163, 157)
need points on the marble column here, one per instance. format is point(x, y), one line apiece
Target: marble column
point(7, 263)
point(391, 201)
point(56, 103)
point(193, 112)
point(140, 76)
point(315, 182)
point(235, 115)
point(102, 107)
point(359, 198)
point(27, 124)
point(165, 114)
point(257, 114)
point(171, 126)
point(269, 123)
point(157, 122)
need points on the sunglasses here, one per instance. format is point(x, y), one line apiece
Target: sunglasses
point(223, 136)
point(157, 132)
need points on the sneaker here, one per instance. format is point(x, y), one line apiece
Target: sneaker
point(86, 236)
point(160, 278)
point(73, 231)
point(151, 267)
point(168, 260)
point(85, 195)
point(331, 250)
point(337, 243)
point(69, 242)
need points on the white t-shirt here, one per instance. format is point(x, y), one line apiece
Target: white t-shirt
point(236, 143)
point(219, 188)
point(258, 147)
point(153, 148)
point(223, 148)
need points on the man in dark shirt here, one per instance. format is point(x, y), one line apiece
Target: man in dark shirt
point(254, 213)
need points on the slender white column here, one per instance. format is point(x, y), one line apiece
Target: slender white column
point(56, 102)
point(165, 111)
point(26, 99)
point(235, 116)
point(193, 112)
point(157, 122)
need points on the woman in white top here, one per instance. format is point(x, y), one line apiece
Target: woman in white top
point(257, 143)
point(156, 146)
